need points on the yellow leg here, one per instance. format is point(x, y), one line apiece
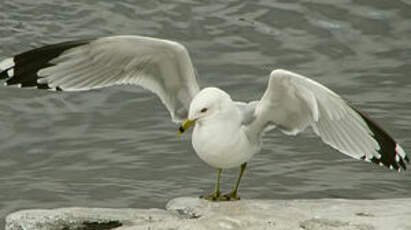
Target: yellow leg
point(216, 194)
point(233, 195)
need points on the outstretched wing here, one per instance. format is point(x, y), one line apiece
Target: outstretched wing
point(161, 66)
point(293, 102)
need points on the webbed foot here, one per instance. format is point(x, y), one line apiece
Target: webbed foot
point(231, 196)
point(215, 196)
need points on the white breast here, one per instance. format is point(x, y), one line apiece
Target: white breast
point(221, 146)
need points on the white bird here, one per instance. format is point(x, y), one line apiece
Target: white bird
point(226, 133)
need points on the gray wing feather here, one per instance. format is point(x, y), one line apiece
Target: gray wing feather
point(247, 111)
point(293, 102)
point(161, 66)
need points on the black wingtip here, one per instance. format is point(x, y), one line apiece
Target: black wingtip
point(3, 75)
point(26, 65)
point(402, 164)
point(392, 155)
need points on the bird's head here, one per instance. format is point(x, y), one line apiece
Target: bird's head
point(207, 104)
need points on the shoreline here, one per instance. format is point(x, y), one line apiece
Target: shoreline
point(193, 213)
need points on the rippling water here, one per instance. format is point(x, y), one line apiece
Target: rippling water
point(117, 147)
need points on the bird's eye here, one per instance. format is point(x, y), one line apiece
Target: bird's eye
point(203, 110)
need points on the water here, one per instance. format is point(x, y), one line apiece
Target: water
point(117, 147)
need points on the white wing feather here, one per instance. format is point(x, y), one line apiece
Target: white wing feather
point(293, 102)
point(161, 66)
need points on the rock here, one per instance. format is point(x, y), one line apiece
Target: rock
point(325, 214)
point(193, 213)
point(85, 218)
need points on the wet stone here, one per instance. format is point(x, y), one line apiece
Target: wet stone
point(193, 213)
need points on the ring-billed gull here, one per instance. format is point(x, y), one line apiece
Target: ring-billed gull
point(226, 133)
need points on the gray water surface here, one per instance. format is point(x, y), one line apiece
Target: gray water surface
point(117, 147)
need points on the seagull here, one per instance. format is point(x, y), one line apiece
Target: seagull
point(227, 133)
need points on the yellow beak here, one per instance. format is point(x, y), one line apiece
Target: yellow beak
point(187, 123)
